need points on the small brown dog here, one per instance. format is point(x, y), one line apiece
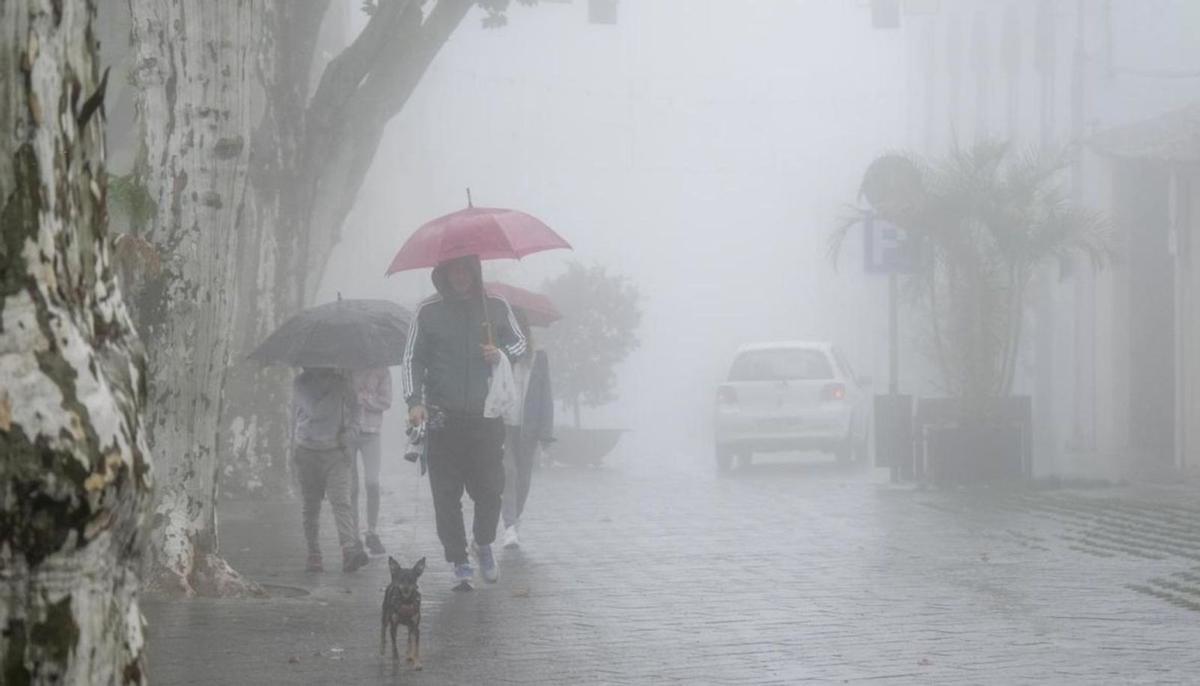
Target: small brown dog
point(402, 605)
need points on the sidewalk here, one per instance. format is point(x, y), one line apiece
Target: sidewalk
point(650, 570)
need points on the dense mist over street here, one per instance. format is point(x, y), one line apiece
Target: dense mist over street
point(599, 341)
point(705, 153)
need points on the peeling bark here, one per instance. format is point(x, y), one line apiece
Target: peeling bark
point(196, 107)
point(74, 479)
point(254, 421)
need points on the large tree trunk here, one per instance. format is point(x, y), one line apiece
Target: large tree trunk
point(310, 159)
point(196, 108)
point(254, 421)
point(75, 468)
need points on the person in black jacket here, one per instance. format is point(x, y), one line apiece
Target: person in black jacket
point(456, 338)
point(533, 426)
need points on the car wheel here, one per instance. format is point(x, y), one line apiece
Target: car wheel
point(724, 459)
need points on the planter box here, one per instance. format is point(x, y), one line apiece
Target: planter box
point(582, 446)
point(894, 433)
point(995, 446)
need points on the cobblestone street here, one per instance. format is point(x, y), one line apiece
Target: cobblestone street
point(652, 570)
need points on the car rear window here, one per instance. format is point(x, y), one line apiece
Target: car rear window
point(781, 365)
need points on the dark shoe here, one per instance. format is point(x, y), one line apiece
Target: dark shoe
point(354, 560)
point(463, 575)
point(374, 545)
point(314, 563)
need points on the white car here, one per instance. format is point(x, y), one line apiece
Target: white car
point(791, 396)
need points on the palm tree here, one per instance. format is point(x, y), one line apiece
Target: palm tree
point(988, 219)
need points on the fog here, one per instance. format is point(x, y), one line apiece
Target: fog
point(704, 149)
point(916, 397)
point(707, 150)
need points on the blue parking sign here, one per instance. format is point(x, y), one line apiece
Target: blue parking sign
point(889, 249)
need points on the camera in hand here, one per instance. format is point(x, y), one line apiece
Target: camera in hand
point(416, 439)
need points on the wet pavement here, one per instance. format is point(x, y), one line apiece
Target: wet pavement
point(652, 570)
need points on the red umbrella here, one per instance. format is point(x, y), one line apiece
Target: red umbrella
point(490, 233)
point(539, 310)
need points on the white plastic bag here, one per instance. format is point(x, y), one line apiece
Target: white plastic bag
point(502, 398)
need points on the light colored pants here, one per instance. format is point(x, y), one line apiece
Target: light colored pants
point(518, 474)
point(325, 474)
point(369, 449)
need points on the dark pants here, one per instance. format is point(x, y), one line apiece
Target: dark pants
point(467, 453)
point(519, 452)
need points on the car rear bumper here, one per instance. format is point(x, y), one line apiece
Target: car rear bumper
point(823, 429)
point(777, 445)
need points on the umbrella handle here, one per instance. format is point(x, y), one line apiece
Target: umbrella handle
point(487, 334)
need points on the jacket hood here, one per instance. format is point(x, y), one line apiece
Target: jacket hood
point(442, 284)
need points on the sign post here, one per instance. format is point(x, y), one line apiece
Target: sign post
point(888, 249)
point(893, 334)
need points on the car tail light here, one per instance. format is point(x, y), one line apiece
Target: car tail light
point(833, 392)
point(727, 395)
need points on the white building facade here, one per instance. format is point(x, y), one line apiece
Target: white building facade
point(1111, 358)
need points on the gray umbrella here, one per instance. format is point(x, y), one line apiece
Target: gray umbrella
point(347, 334)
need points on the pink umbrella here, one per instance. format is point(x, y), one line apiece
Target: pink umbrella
point(539, 310)
point(490, 233)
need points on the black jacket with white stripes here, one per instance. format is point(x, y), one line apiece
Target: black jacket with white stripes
point(443, 364)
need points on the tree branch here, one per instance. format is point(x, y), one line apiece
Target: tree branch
point(299, 26)
point(436, 30)
point(344, 75)
point(345, 146)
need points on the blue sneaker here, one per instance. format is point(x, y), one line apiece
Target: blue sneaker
point(463, 575)
point(487, 563)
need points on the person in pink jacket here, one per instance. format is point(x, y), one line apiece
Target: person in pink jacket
point(374, 389)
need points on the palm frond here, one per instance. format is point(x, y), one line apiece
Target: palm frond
point(990, 215)
point(852, 217)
